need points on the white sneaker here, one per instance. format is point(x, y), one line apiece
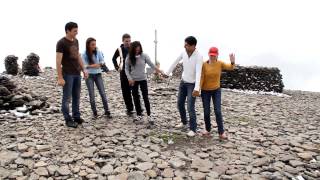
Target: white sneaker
point(181, 125)
point(137, 119)
point(191, 133)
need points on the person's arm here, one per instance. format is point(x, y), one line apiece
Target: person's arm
point(174, 65)
point(85, 73)
point(232, 63)
point(114, 59)
point(61, 81)
point(202, 76)
point(150, 63)
point(198, 73)
point(127, 71)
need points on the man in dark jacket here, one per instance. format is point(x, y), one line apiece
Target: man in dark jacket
point(122, 52)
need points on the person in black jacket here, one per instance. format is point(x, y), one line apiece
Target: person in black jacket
point(122, 52)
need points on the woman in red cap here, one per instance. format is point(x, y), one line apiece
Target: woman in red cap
point(210, 89)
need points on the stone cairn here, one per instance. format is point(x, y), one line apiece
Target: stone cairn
point(30, 66)
point(12, 97)
point(247, 78)
point(11, 64)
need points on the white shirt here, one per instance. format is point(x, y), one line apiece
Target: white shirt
point(192, 67)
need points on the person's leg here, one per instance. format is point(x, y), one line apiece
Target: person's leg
point(217, 110)
point(136, 98)
point(90, 86)
point(206, 98)
point(144, 90)
point(191, 108)
point(126, 92)
point(76, 89)
point(182, 94)
point(66, 96)
point(100, 86)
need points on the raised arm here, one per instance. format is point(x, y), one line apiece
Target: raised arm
point(232, 63)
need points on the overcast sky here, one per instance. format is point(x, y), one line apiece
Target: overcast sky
point(273, 33)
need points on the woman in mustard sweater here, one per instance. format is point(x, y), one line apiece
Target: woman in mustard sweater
point(210, 89)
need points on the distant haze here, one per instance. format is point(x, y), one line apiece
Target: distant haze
point(283, 34)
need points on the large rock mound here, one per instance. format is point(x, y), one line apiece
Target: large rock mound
point(247, 78)
point(12, 97)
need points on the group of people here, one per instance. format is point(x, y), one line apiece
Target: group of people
point(199, 78)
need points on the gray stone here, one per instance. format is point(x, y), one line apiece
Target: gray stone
point(168, 173)
point(7, 157)
point(176, 163)
point(41, 171)
point(107, 169)
point(64, 170)
point(145, 166)
point(141, 156)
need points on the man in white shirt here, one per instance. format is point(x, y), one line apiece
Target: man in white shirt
point(190, 83)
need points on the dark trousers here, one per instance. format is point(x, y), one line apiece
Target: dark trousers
point(72, 89)
point(96, 79)
point(136, 96)
point(126, 91)
point(185, 92)
point(215, 95)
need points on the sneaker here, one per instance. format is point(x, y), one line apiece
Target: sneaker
point(223, 136)
point(71, 123)
point(130, 113)
point(191, 133)
point(137, 119)
point(108, 114)
point(151, 121)
point(205, 133)
point(78, 120)
point(181, 125)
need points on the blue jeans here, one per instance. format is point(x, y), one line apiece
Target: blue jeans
point(216, 98)
point(72, 88)
point(96, 79)
point(185, 92)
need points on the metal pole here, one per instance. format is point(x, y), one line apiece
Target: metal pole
point(155, 47)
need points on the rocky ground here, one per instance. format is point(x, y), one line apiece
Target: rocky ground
point(271, 137)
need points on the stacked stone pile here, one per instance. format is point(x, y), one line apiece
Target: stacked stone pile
point(11, 64)
point(30, 66)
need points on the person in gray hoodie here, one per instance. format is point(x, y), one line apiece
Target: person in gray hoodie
point(135, 65)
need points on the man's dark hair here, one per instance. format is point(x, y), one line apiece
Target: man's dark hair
point(70, 25)
point(191, 40)
point(125, 36)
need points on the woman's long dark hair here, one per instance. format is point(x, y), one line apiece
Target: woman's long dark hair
point(132, 51)
point(88, 53)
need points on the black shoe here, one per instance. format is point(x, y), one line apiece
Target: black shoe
point(78, 120)
point(108, 114)
point(130, 113)
point(71, 123)
point(95, 115)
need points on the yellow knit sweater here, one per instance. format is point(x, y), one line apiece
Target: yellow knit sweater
point(211, 73)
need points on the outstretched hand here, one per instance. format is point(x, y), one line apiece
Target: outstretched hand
point(232, 57)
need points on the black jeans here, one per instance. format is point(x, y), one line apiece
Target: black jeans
point(136, 96)
point(126, 91)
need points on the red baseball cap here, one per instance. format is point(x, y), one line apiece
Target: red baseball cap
point(213, 51)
